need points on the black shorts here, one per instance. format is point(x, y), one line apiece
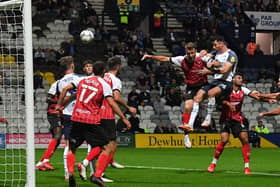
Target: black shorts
point(54, 121)
point(109, 126)
point(67, 125)
point(235, 127)
point(191, 91)
point(225, 86)
point(93, 134)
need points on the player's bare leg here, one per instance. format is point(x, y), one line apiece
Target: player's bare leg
point(218, 151)
point(243, 137)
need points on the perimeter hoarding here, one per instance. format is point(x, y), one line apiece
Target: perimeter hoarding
point(177, 141)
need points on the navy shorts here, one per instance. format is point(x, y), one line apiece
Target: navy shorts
point(225, 86)
point(235, 127)
point(67, 125)
point(109, 126)
point(191, 91)
point(94, 135)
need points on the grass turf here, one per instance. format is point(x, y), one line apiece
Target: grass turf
point(175, 167)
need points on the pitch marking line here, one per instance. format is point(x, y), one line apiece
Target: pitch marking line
point(189, 169)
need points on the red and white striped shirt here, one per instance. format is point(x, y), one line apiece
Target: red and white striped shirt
point(115, 84)
point(90, 96)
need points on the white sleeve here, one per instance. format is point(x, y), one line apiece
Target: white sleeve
point(246, 90)
point(107, 91)
point(117, 84)
point(177, 60)
point(52, 89)
point(76, 80)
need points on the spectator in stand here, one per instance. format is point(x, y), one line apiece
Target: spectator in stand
point(157, 27)
point(38, 80)
point(153, 83)
point(159, 128)
point(170, 38)
point(170, 129)
point(173, 98)
point(275, 86)
point(133, 93)
point(258, 50)
point(40, 55)
point(74, 28)
point(261, 128)
point(63, 12)
point(145, 96)
point(50, 56)
point(158, 105)
point(133, 58)
point(134, 121)
point(148, 43)
point(254, 138)
point(106, 35)
point(251, 47)
point(142, 80)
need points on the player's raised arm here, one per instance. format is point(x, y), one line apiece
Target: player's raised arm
point(273, 112)
point(159, 58)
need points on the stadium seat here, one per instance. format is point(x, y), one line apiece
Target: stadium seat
point(167, 108)
point(148, 108)
point(176, 108)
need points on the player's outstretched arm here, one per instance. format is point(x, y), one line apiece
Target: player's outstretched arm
point(119, 99)
point(271, 96)
point(269, 113)
point(159, 58)
point(118, 111)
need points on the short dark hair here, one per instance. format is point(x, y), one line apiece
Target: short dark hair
point(219, 39)
point(65, 63)
point(88, 61)
point(190, 45)
point(99, 68)
point(238, 73)
point(114, 62)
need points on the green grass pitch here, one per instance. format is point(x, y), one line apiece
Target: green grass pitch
point(175, 167)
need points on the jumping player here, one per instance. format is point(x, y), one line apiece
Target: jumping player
point(190, 64)
point(223, 66)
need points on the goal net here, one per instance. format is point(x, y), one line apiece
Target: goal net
point(13, 159)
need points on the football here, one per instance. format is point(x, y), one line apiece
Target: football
point(86, 36)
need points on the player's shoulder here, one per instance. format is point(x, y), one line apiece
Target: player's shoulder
point(232, 53)
point(245, 90)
